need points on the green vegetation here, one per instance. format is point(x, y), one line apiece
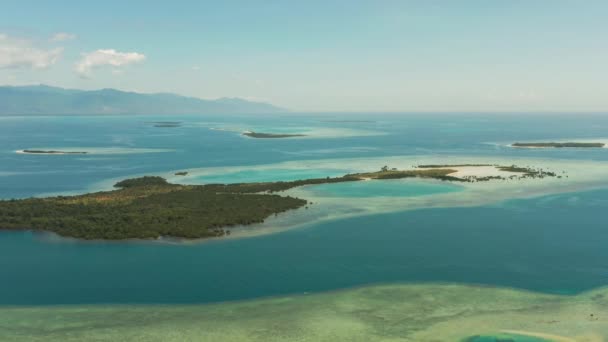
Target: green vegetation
point(149, 207)
point(181, 173)
point(142, 181)
point(166, 123)
point(385, 173)
point(144, 208)
point(525, 172)
point(560, 144)
point(51, 152)
point(271, 135)
point(434, 166)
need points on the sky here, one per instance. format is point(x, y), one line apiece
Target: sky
point(466, 55)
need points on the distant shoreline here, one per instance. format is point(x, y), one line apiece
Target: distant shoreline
point(258, 135)
point(569, 144)
point(52, 152)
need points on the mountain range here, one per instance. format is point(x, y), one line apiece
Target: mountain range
point(47, 100)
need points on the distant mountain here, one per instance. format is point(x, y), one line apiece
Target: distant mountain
point(46, 100)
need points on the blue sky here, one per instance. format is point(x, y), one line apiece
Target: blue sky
point(320, 55)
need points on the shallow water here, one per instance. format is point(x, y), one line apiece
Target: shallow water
point(552, 244)
point(269, 175)
point(382, 188)
point(395, 313)
point(504, 338)
point(524, 243)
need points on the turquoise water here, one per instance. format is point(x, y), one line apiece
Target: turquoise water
point(552, 244)
point(524, 243)
point(504, 338)
point(269, 175)
point(380, 188)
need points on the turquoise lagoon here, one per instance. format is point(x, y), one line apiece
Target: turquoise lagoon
point(382, 188)
point(554, 244)
point(268, 175)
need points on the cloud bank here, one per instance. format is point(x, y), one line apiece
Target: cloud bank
point(106, 57)
point(22, 53)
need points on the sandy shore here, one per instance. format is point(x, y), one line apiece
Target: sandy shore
point(481, 171)
point(575, 176)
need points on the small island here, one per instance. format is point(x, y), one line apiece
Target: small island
point(166, 124)
point(149, 207)
point(50, 152)
point(181, 173)
point(270, 135)
point(559, 144)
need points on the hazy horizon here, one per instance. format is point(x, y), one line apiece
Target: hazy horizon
point(470, 56)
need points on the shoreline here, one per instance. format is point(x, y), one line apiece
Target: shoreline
point(88, 151)
point(603, 141)
point(52, 152)
point(585, 175)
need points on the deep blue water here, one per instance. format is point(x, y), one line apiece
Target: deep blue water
point(551, 244)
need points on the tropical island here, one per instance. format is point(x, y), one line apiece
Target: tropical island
point(149, 207)
point(50, 152)
point(559, 144)
point(270, 135)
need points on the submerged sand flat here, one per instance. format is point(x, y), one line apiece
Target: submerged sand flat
point(92, 150)
point(306, 132)
point(575, 176)
point(393, 313)
point(579, 175)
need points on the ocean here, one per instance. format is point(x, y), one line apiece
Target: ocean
point(551, 243)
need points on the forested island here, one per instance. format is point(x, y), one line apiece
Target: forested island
point(51, 152)
point(150, 208)
point(271, 135)
point(560, 144)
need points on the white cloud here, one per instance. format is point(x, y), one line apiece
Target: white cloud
point(107, 57)
point(22, 53)
point(62, 37)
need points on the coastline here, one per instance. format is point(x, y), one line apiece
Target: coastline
point(89, 150)
point(583, 176)
point(584, 141)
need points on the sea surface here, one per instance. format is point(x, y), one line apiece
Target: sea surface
point(553, 244)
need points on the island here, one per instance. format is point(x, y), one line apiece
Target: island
point(149, 207)
point(181, 173)
point(50, 152)
point(559, 144)
point(166, 124)
point(271, 135)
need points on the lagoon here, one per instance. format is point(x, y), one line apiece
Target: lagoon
point(383, 188)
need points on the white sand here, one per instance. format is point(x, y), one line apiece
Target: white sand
point(580, 175)
point(481, 171)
